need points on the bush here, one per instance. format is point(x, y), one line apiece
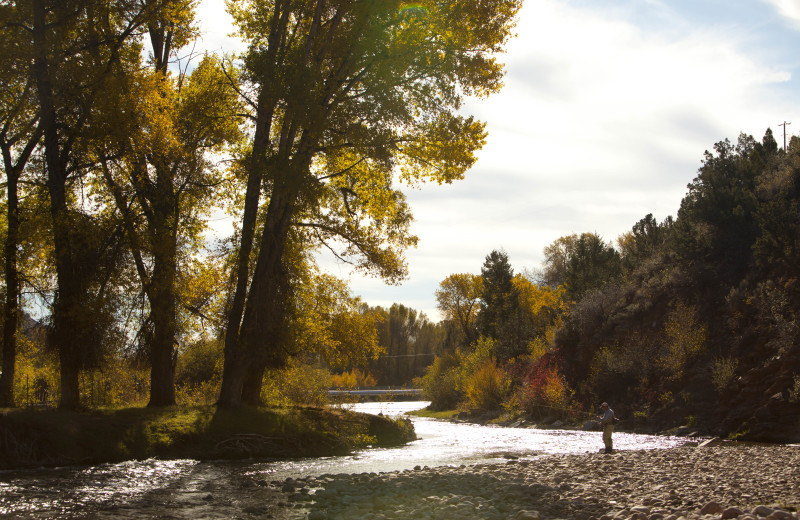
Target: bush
point(441, 382)
point(353, 379)
point(543, 390)
point(118, 383)
point(723, 370)
point(545, 393)
point(199, 362)
point(486, 387)
point(299, 383)
point(198, 375)
point(685, 338)
point(36, 378)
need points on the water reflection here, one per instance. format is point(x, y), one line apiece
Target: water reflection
point(224, 489)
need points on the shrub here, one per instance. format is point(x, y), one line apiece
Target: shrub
point(299, 383)
point(118, 383)
point(440, 384)
point(685, 337)
point(37, 369)
point(794, 393)
point(723, 370)
point(199, 362)
point(198, 375)
point(486, 387)
point(353, 379)
point(546, 393)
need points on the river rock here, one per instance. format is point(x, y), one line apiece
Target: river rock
point(732, 512)
point(649, 485)
point(711, 508)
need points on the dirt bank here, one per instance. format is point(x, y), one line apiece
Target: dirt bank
point(52, 437)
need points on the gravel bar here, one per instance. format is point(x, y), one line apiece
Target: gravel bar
point(729, 480)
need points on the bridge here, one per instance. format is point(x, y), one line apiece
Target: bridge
point(376, 391)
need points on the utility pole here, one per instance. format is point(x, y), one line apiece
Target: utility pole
point(784, 133)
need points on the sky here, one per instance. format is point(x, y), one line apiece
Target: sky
point(607, 109)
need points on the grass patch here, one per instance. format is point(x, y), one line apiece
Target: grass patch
point(431, 414)
point(58, 437)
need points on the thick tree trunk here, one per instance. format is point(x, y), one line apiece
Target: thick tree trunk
point(70, 381)
point(263, 316)
point(236, 348)
point(11, 313)
point(67, 308)
point(248, 352)
point(163, 312)
point(233, 371)
point(236, 353)
point(252, 384)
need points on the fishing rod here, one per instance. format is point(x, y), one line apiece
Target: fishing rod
point(569, 411)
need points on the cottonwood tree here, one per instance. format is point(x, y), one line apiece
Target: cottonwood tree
point(458, 298)
point(162, 178)
point(556, 256)
point(20, 134)
point(79, 47)
point(332, 324)
point(346, 97)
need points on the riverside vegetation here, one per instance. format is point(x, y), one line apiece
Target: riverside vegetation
point(692, 321)
point(111, 150)
point(34, 438)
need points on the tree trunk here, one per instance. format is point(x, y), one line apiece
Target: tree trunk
point(11, 311)
point(252, 384)
point(11, 314)
point(252, 349)
point(233, 371)
point(236, 347)
point(163, 310)
point(70, 382)
point(67, 305)
point(236, 354)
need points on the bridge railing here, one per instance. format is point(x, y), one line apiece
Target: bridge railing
point(375, 391)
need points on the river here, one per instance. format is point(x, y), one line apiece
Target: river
point(239, 489)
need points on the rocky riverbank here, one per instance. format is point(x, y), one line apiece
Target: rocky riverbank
point(729, 480)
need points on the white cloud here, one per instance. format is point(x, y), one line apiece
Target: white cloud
point(216, 28)
point(601, 122)
point(789, 9)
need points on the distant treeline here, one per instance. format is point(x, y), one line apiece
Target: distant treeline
point(683, 320)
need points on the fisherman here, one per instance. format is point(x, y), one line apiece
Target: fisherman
point(607, 422)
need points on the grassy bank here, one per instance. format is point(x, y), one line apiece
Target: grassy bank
point(52, 437)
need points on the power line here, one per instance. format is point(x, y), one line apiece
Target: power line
point(406, 355)
point(784, 132)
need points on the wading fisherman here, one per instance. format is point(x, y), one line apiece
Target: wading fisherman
point(607, 422)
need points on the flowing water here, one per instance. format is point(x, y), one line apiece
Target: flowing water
point(238, 489)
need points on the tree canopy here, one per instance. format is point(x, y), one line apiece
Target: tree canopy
point(345, 97)
point(332, 109)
